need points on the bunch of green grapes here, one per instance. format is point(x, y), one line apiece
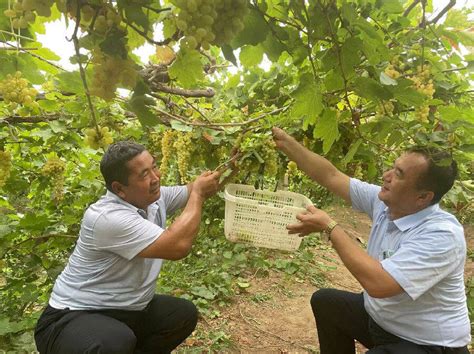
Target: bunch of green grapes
point(184, 148)
point(167, 142)
point(5, 166)
point(20, 14)
point(109, 72)
point(98, 138)
point(256, 150)
point(230, 20)
point(154, 143)
point(54, 170)
point(423, 84)
point(206, 22)
point(16, 91)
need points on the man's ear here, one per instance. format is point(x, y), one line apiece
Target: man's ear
point(426, 197)
point(118, 189)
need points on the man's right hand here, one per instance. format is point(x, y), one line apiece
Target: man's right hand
point(207, 184)
point(282, 139)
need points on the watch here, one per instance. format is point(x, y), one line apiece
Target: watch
point(327, 231)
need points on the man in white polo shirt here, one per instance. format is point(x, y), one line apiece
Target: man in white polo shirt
point(413, 271)
point(104, 301)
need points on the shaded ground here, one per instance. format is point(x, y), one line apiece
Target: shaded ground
point(274, 314)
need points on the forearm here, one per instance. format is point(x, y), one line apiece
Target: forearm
point(186, 226)
point(176, 241)
point(367, 270)
point(318, 168)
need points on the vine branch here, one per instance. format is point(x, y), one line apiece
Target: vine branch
point(29, 51)
point(442, 12)
point(209, 92)
point(81, 69)
point(219, 126)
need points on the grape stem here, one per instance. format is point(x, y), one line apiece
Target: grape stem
point(218, 126)
point(228, 164)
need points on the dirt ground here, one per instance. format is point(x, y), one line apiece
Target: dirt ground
point(274, 314)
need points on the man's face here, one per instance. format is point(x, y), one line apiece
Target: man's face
point(143, 181)
point(399, 191)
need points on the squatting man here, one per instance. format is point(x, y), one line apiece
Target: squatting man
point(412, 273)
point(104, 300)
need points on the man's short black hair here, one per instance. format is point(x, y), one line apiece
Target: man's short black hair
point(113, 165)
point(441, 172)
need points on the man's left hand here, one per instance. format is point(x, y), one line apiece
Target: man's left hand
point(312, 220)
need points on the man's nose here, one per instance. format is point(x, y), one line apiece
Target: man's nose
point(156, 174)
point(386, 175)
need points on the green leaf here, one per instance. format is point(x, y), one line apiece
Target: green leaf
point(407, 95)
point(202, 291)
point(350, 55)
point(334, 81)
point(179, 126)
point(138, 105)
point(308, 101)
point(135, 14)
point(273, 47)
point(7, 327)
point(255, 30)
point(187, 68)
point(169, 28)
point(229, 54)
point(251, 55)
point(327, 129)
point(350, 154)
point(34, 222)
point(371, 89)
point(452, 114)
point(391, 6)
point(114, 44)
point(368, 29)
point(70, 82)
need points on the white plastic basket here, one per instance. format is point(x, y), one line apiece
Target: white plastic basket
point(259, 217)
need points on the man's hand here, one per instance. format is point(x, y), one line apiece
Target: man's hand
point(207, 184)
point(282, 139)
point(312, 220)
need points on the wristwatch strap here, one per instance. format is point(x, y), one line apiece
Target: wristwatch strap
point(327, 231)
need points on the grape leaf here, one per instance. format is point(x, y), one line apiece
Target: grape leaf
point(187, 68)
point(327, 129)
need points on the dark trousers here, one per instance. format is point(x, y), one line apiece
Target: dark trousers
point(164, 324)
point(341, 318)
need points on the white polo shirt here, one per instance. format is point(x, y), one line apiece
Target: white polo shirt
point(103, 271)
point(425, 253)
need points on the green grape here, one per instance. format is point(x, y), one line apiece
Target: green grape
point(5, 166)
point(167, 142)
point(183, 148)
point(16, 91)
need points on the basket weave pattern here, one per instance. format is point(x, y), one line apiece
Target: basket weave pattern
point(260, 217)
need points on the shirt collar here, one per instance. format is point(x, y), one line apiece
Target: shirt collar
point(409, 221)
point(117, 199)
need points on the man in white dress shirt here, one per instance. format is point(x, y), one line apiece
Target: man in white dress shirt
point(104, 301)
point(412, 272)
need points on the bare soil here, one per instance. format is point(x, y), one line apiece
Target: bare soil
point(274, 314)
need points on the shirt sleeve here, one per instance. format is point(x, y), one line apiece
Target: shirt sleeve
point(124, 232)
point(424, 260)
point(364, 196)
point(174, 198)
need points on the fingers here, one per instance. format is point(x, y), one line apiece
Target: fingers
point(312, 209)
